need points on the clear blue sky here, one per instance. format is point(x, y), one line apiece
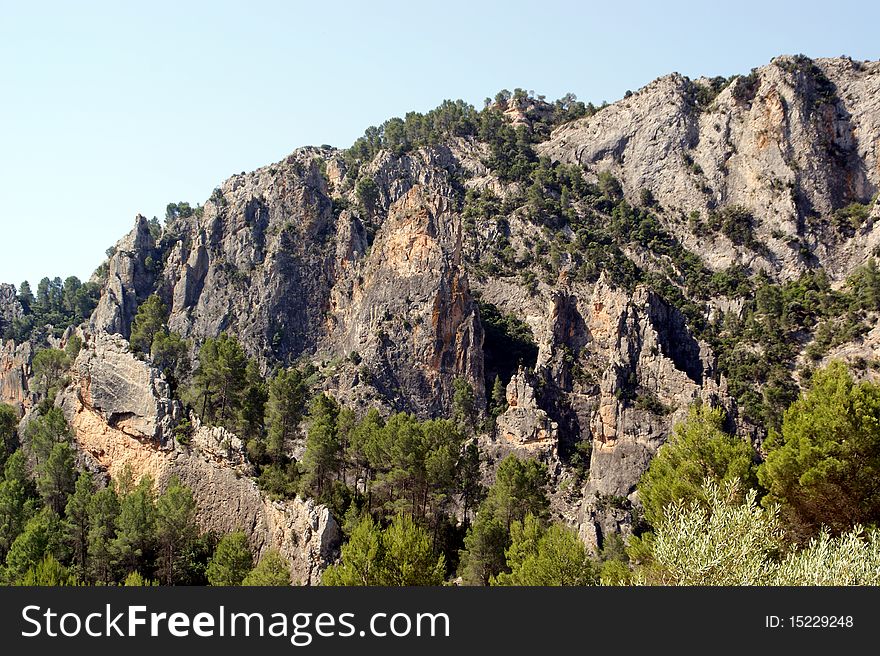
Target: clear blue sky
point(113, 108)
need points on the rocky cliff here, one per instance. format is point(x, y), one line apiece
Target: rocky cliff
point(693, 192)
point(122, 415)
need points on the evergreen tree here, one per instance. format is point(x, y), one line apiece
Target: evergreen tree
point(77, 523)
point(103, 515)
point(231, 562)
point(42, 536)
point(44, 432)
point(170, 354)
point(8, 432)
point(698, 448)
point(56, 477)
point(362, 558)
point(470, 485)
point(823, 466)
point(148, 322)
point(409, 558)
point(221, 379)
point(253, 405)
point(499, 397)
point(49, 367)
point(272, 570)
point(519, 489)
point(288, 394)
point(321, 458)
point(48, 572)
point(135, 542)
point(483, 555)
point(175, 528)
point(17, 500)
point(546, 556)
point(464, 404)
point(401, 555)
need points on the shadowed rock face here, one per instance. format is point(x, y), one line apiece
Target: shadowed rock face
point(122, 415)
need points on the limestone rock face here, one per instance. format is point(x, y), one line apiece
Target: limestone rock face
point(524, 423)
point(793, 141)
point(129, 281)
point(10, 308)
point(121, 414)
point(129, 395)
point(377, 282)
point(407, 310)
point(15, 372)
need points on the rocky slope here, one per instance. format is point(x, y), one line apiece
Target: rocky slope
point(377, 273)
point(122, 415)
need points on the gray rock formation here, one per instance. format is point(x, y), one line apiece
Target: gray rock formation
point(121, 415)
point(524, 423)
point(15, 374)
point(129, 281)
point(380, 290)
point(791, 143)
point(10, 308)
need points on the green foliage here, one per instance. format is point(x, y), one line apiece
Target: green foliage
point(231, 562)
point(698, 448)
point(57, 304)
point(321, 458)
point(288, 395)
point(170, 354)
point(175, 529)
point(77, 521)
point(400, 555)
point(42, 536)
point(519, 490)
point(136, 580)
point(103, 516)
point(464, 404)
point(150, 319)
point(134, 545)
point(48, 572)
point(822, 466)
point(56, 476)
point(220, 380)
point(272, 570)
point(546, 556)
point(49, 367)
point(18, 501)
point(730, 540)
point(8, 432)
point(44, 432)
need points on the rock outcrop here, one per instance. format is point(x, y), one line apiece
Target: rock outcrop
point(129, 280)
point(792, 142)
point(122, 415)
point(15, 374)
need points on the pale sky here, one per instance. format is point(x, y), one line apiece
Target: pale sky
point(113, 108)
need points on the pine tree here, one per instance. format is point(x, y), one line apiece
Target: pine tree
point(272, 570)
point(56, 477)
point(103, 515)
point(288, 394)
point(175, 528)
point(8, 433)
point(135, 542)
point(17, 500)
point(231, 562)
point(77, 520)
point(148, 322)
